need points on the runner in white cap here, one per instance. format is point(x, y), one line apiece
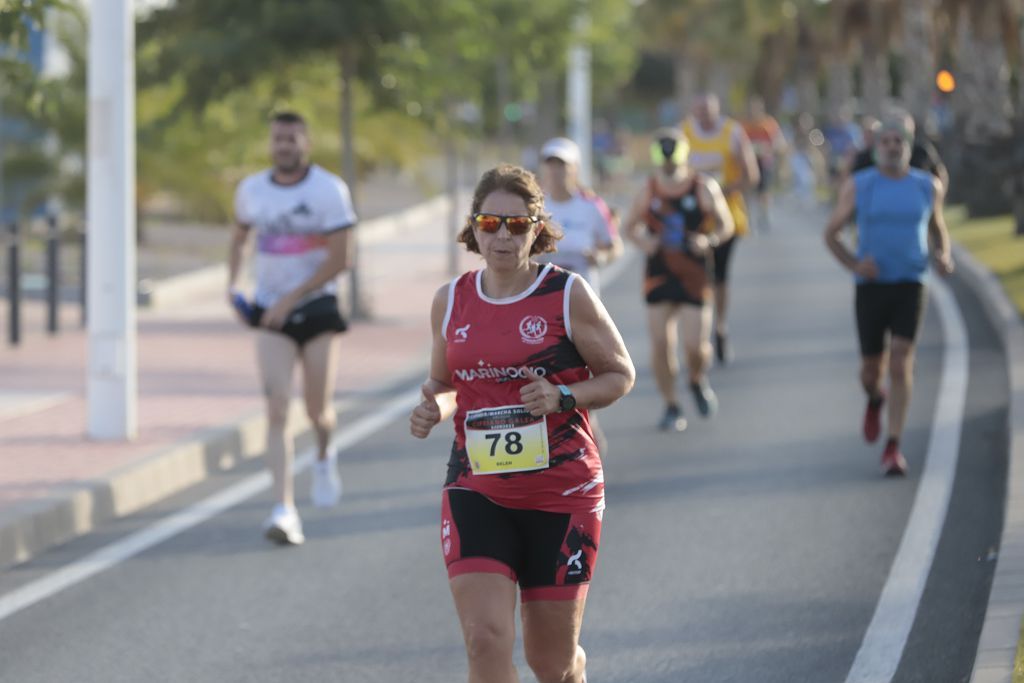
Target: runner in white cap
point(591, 236)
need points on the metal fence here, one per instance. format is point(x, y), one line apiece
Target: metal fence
point(34, 253)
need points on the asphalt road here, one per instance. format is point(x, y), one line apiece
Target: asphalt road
point(751, 548)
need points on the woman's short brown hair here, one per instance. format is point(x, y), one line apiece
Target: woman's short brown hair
point(518, 181)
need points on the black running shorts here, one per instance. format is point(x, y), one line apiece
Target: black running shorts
point(309, 320)
point(896, 307)
point(723, 253)
point(551, 555)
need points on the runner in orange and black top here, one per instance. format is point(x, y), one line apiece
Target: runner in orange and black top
point(521, 352)
point(769, 146)
point(677, 219)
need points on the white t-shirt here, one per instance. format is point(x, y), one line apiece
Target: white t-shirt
point(292, 223)
point(586, 222)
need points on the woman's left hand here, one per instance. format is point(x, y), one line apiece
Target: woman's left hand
point(540, 396)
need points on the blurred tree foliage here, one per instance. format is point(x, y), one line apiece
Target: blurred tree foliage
point(417, 73)
point(209, 76)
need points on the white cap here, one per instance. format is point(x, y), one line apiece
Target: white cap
point(561, 148)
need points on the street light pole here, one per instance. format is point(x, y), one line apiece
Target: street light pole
point(112, 383)
point(578, 96)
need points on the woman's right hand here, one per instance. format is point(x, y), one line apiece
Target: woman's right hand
point(425, 415)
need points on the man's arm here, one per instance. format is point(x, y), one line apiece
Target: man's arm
point(841, 215)
point(938, 168)
point(743, 150)
point(236, 249)
point(609, 245)
point(339, 254)
point(937, 232)
point(634, 228)
point(713, 204)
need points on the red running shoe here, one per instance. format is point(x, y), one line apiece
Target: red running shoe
point(873, 418)
point(893, 462)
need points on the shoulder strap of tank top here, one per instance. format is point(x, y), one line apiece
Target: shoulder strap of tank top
point(567, 321)
point(451, 305)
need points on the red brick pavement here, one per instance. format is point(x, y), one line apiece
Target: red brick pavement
point(196, 371)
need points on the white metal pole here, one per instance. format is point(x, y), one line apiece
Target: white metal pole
point(578, 96)
point(110, 214)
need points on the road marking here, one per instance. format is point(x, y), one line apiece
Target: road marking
point(197, 513)
point(886, 637)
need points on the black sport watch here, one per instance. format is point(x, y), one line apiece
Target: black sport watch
point(566, 401)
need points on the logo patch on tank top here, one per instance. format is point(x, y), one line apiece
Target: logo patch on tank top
point(532, 329)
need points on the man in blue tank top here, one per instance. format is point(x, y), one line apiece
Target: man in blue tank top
point(898, 213)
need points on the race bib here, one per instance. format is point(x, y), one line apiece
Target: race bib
point(506, 439)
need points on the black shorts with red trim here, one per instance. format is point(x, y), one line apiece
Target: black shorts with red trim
point(550, 555)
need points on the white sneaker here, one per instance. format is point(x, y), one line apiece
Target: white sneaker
point(283, 526)
point(325, 489)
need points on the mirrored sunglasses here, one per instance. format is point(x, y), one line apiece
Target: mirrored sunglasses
point(492, 222)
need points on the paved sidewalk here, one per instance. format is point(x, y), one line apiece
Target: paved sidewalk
point(199, 407)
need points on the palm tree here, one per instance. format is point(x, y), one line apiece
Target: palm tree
point(861, 29)
point(982, 34)
point(882, 22)
point(918, 55)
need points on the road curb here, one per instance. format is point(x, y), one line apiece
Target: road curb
point(997, 646)
point(27, 531)
point(31, 528)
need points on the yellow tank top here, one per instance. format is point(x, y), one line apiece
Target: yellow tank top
point(715, 156)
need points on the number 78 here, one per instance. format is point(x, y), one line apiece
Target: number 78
point(513, 442)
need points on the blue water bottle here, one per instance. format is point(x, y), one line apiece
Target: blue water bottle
point(243, 307)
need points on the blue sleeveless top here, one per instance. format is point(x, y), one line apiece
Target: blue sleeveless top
point(892, 223)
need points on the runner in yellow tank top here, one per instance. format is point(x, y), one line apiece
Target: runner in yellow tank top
point(720, 148)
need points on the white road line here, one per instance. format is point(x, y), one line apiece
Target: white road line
point(886, 636)
point(172, 525)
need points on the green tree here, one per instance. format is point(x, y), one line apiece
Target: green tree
point(219, 50)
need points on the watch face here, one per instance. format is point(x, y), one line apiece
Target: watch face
point(567, 402)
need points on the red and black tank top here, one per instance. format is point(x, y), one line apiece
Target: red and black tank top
point(490, 343)
point(672, 216)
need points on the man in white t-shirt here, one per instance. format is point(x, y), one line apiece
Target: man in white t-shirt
point(590, 235)
point(302, 217)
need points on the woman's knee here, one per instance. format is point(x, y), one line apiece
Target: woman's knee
point(551, 665)
point(488, 640)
